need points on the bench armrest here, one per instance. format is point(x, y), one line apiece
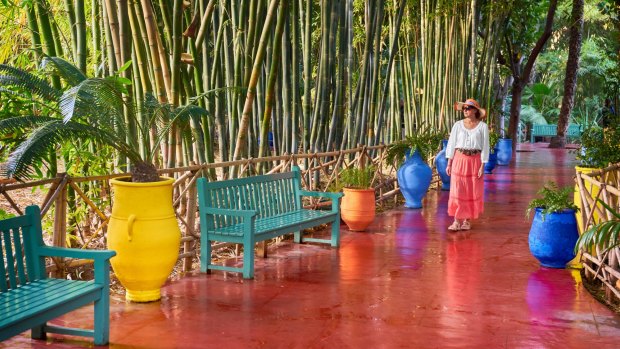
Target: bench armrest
point(329, 195)
point(228, 212)
point(96, 255)
point(101, 258)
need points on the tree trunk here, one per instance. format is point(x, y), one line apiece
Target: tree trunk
point(515, 110)
point(570, 81)
point(522, 79)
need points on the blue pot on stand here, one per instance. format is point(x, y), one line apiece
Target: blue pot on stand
point(441, 162)
point(414, 178)
point(490, 165)
point(504, 151)
point(552, 240)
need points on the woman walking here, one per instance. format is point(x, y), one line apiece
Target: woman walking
point(467, 152)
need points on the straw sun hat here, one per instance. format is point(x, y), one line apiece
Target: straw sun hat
point(472, 103)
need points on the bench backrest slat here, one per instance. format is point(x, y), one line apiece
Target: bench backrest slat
point(268, 195)
point(19, 239)
point(573, 129)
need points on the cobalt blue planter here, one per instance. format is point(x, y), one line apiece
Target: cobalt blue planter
point(441, 162)
point(414, 178)
point(504, 151)
point(552, 240)
point(490, 165)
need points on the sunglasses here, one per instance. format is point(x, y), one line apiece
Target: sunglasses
point(468, 108)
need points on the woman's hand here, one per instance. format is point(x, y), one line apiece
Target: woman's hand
point(449, 168)
point(481, 171)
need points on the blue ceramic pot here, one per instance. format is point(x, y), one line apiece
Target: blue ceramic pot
point(441, 162)
point(490, 165)
point(414, 178)
point(504, 151)
point(552, 240)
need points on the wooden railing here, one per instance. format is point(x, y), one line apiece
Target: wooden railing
point(80, 219)
point(602, 264)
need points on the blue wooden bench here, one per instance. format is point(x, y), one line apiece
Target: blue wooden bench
point(28, 298)
point(253, 209)
point(573, 131)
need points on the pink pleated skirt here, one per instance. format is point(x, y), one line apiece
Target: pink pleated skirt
point(466, 189)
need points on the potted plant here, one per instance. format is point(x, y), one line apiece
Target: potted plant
point(142, 229)
point(504, 150)
point(493, 140)
point(357, 209)
point(414, 175)
point(554, 231)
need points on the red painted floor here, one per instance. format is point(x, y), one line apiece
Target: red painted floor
point(405, 283)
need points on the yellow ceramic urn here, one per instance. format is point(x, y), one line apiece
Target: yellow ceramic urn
point(144, 232)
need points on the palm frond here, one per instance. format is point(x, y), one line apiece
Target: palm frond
point(67, 71)
point(10, 76)
point(604, 235)
point(22, 123)
point(55, 132)
point(96, 100)
point(180, 117)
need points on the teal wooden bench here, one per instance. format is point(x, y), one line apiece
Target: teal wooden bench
point(253, 209)
point(573, 131)
point(28, 298)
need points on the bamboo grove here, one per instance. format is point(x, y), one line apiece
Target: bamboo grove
point(311, 76)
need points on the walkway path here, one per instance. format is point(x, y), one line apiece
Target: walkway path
point(405, 283)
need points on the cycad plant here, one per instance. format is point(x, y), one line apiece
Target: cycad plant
point(95, 109)
point(426, 140)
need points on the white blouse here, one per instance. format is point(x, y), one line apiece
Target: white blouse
point(463, 138)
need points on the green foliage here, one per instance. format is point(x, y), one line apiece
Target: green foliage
point(5, 215)
point(543, 101)
point(493, 139)
point(426, 141)
point(600, 147)
point(355, 178)
point(552, 200)
point(604, 235)
point(94, 109)
point(530, 115)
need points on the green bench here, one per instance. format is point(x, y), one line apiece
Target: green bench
point(253, 209)
point(28, 298)
point(573, 131)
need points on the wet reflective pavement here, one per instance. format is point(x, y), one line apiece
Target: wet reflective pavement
point(405, 283)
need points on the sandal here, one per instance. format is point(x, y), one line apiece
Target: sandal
point(466, 225)
point(455, 226)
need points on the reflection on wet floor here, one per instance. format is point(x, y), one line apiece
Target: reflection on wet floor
point(405, 283)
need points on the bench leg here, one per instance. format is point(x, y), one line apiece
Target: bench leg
point(248, 261)
point(38, 332)
point(336, 232)
point(102, 318)
point(205, 256)
point(298, 237)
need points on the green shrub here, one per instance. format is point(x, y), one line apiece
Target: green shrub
point(600, 147)
point(552, 200)
point(355, 178)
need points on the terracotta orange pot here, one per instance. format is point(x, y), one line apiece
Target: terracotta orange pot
point(357, 209)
